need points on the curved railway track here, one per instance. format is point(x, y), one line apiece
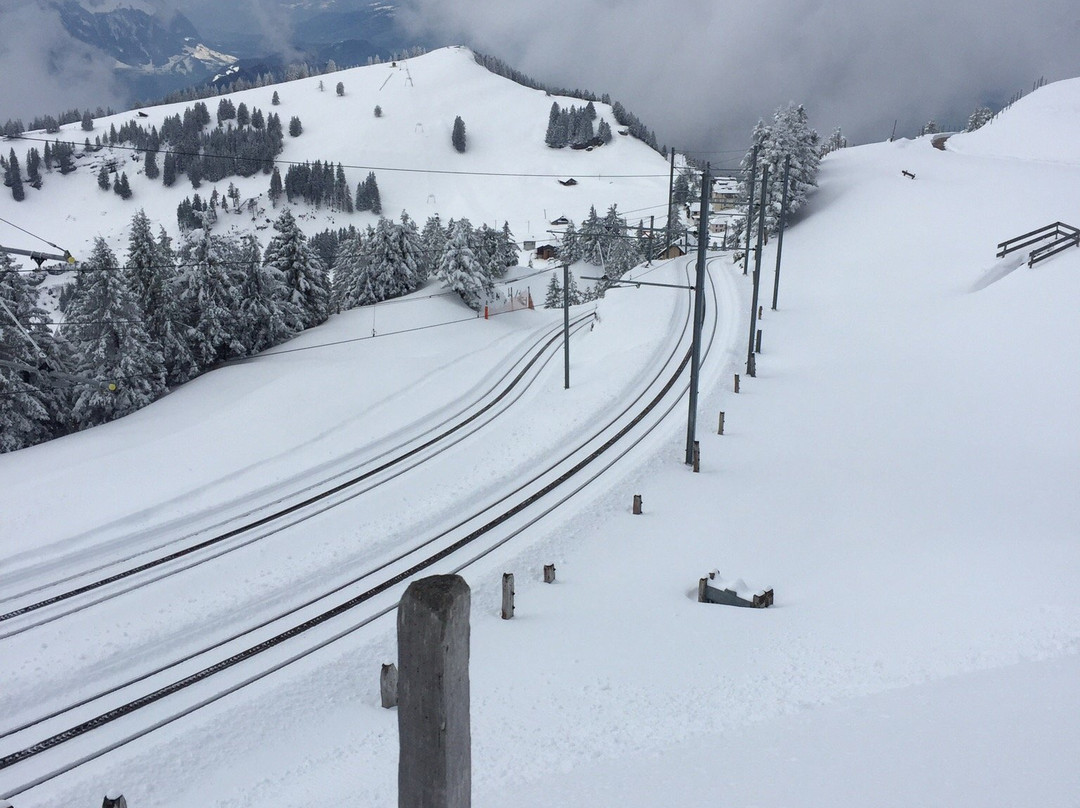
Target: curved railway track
point(499, 522)
point(310, 504)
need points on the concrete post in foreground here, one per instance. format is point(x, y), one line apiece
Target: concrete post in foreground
point(435, 760)
point(637, 505)
point(114, 799)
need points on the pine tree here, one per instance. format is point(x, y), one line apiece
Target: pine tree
point(979, 118)
point(151, 167)
point(27, 399)
point(103, 181)
point(591, 239)
point(378, 111)
point(350, 285)
point(680, 193)
point(168, 170)
point(604, 132)
point(110, 344)
point(122, 187)
point(267, 317)
point(550, 137)
point(295, 127)
point(210, 291)
point(554, 297)
point(457, 137)
point(304, 274)
point(167, 324)
point(87, 122)
point(341, 88)
point(508, 248)
point(459, 269)
point(243, 117)
point(276, 99)
point(33, 168)
point(432, 242)
point(13, 178)
point(570, 245)
point(275, 187)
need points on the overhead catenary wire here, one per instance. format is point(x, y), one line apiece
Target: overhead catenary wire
point(359, 167)
point(272, 352)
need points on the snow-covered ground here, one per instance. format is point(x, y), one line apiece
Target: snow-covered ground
point(902, 472)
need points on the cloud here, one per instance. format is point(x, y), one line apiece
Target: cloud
point(45, 70)
point(701, 72)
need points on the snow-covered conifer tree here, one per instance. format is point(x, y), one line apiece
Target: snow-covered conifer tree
point(211, 292)
point(459, 270)
point(267, 316)
point(304, 274)
point(110, 344)
point(553, 299)
point(28, 398)
point(508, 248)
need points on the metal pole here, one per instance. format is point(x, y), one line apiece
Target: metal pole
point(780, 236)
point(699, 316)
point(751, 365)
point(652, 231)
point(670, 200)
point(566, 325)
point(750, 210)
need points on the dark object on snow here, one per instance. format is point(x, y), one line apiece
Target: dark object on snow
point(908, 174)
point(568, 182)
point(142, 114)
point(714, 589)
point(545, 252)
point(560, 220)
point(116, 801)
point(1063, 235)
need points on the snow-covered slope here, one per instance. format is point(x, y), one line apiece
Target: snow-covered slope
point(506, 174)
point(902, 472)
point(1041, 126)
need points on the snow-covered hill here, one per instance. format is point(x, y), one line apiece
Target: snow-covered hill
point(902, 472)
point(506, 174)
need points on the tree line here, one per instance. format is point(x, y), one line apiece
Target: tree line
point(137, 327)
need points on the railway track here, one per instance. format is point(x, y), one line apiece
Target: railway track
point(260, 523)
point(321, 621)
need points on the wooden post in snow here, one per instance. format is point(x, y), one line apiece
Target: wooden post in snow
point(736, 382)
point(549, 573)
point(507, 595)
point(720, 428)
point(388, 679)
point(435, 756)
point(637, 505)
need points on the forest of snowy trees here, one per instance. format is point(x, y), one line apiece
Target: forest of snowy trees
point(242, 143)
point(134, 327)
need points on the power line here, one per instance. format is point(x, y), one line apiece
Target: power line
point(399, 169)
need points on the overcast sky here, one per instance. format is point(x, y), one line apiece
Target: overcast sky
point(701, 72)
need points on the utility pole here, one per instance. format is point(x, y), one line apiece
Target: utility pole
point(566, 325)
point(751, 363)
point(670, 200)
point(699, 316)
point(652, 229)
point(750, 209)
point(780, 236)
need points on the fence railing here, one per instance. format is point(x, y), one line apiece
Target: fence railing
point(1052, 239)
